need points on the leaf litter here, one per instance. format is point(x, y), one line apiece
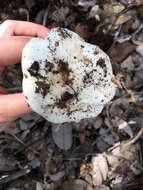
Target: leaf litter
point(102, 153)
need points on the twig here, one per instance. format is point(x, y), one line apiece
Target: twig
point(31, 165)
point(26, 12)
point(14, 90)
point(134, 34)
point(20, 141)
point(28, 144)
point(124, 38)
point(136, 137)
point(45, 16)
point(47, 12)
point(14, 176)
point(115, 38)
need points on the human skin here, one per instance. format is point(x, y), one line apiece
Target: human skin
point(13, 37)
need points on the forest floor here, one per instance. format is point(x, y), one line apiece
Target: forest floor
point(102, 153)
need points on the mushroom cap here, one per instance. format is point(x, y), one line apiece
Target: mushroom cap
point(65, 78)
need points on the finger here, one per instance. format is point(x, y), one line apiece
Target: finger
point(11, 49)
point(22, 28)
point(12, 106)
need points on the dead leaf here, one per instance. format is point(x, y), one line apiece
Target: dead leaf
point(39, 144)
point(101, 161)
point(96, 175)
point(39, 186)
point(120, 51)
point(108, 9)
point(62, 135)
point(102, 187)
point(123, 125)
point(77, 184)
point(57, 176)
point(82, 31)
point(60, 15)
point(128, 64)
point(138, 2)
point(31, 155)
point(122, 19)
point(118, 8)
point(127, 26)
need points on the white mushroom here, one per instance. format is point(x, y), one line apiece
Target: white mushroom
point(65, 78)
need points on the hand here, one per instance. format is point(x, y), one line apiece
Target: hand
point(13, 37)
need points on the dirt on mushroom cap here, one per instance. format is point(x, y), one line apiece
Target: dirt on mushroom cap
point(66, 79)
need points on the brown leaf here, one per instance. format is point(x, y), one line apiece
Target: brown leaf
point(82, 31)
point(122, 19)
point(127, 26)
point(121, 51)
point(138, 2)
point(108, 9)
